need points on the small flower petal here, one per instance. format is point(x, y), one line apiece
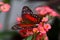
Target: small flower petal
point(19, 19)
point(47, 27)
point(35, 30)
point(54, 14)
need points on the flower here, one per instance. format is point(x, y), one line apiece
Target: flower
point(46, 10)
point(41, 29)
point(1, 3)
point(41, 10)
point(47, 27)
point(19, 19)
point(52, 12)
point(45, 19)
point(5, 8)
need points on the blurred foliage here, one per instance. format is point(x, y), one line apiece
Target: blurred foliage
point(54, 32)
point(28, 38)
point(55, 6)
point(7, 1)
point(8, 35)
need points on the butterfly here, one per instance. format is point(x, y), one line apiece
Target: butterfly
point(29, 19)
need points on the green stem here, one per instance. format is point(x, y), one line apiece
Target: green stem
point(34, 36)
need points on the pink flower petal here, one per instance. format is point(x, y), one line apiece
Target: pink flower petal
point(48, 9)
point(45, 19)
point(47, 27)
point(41, 29)
point(41, 10)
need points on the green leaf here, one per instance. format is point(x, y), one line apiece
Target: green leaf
point(32, 37)
point(28, 38)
